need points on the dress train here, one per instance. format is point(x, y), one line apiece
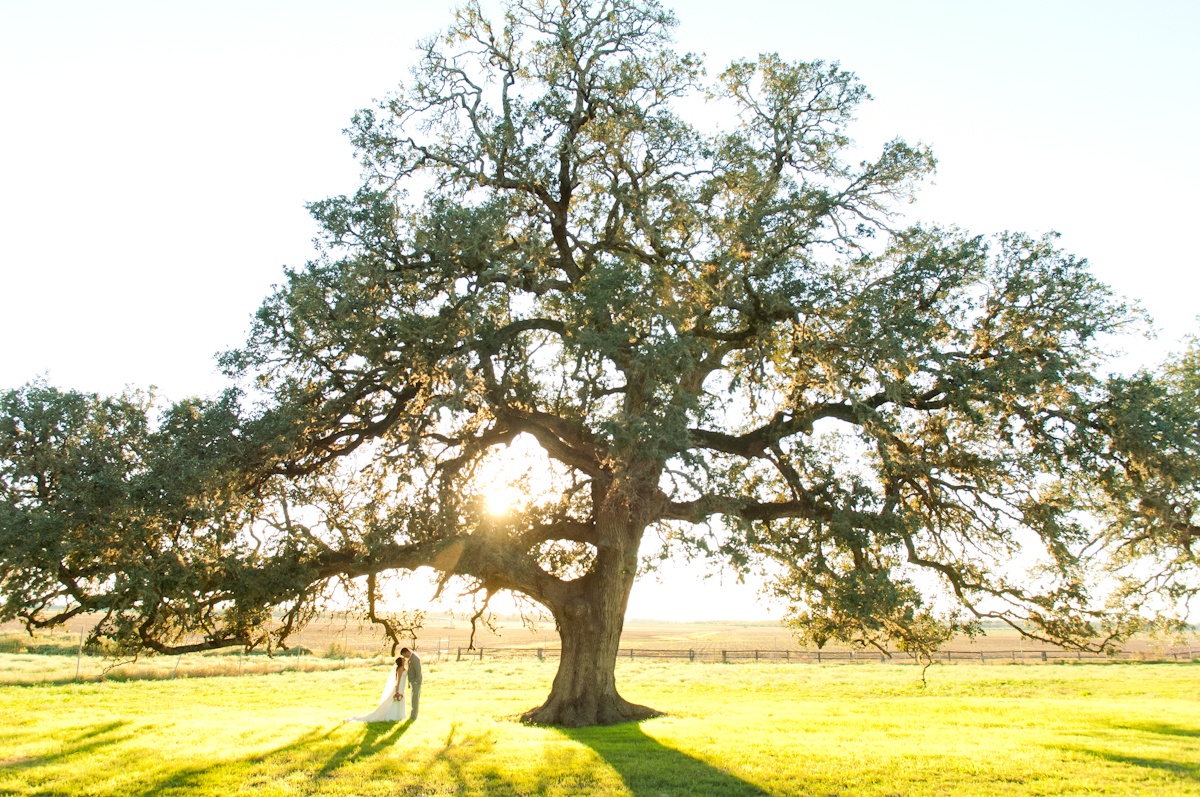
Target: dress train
point(389, 709)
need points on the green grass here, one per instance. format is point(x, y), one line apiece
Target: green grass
point(730, 730)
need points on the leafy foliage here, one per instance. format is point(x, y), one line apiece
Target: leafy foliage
point(1145, 487)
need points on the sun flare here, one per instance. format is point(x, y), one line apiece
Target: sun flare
point(500, 499)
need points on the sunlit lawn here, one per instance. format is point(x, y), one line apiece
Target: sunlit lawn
point(730, 729)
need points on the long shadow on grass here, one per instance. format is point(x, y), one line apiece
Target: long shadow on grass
point(650, 768)
point(81, 740)
point(1185, 770)
point(376, 737)
point(1180, 769)
point(301, 754)
point(203, 779)
point(458, 754)
point(1158, 728)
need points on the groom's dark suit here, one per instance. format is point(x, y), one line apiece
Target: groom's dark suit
point(414, 682)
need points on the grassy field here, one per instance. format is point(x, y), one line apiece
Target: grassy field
point(747, 729)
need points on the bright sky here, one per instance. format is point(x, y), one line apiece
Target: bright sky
point(155, 159)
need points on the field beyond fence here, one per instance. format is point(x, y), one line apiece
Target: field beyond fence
point(333, 642)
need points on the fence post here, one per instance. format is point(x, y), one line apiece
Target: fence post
point(459, 655)
point(79, 656)
point(756, 655)
point(725, 656)
point(982, 660)
point(881, 657)
point(539, 654)
point(481, 654)
point(787, 655)
point(949, 657)
point(1043, 655)
point(691, 654)
point(818, 657)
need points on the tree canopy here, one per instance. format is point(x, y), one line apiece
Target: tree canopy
point(717, 331)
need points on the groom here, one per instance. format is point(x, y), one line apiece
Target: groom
point(414, 679)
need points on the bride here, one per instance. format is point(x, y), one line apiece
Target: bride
point(391, 701)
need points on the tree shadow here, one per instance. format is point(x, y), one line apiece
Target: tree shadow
point(200, 779)
point(462, 763)
point(650, 768)
point(460, 750)
point(457, 769)
point(1158, 728)
point(459, 765)
point(1179, 769)
point(313, 751)
point(80, 740)
point(1163, 762)
point(376, 737)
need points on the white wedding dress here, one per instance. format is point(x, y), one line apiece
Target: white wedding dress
point(389, 709)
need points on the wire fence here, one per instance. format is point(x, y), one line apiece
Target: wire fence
point(326, 653)
point(839, 656)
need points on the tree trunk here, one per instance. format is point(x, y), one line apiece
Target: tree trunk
point(590, 623)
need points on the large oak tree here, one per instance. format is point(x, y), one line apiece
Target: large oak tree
point(715, 332)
